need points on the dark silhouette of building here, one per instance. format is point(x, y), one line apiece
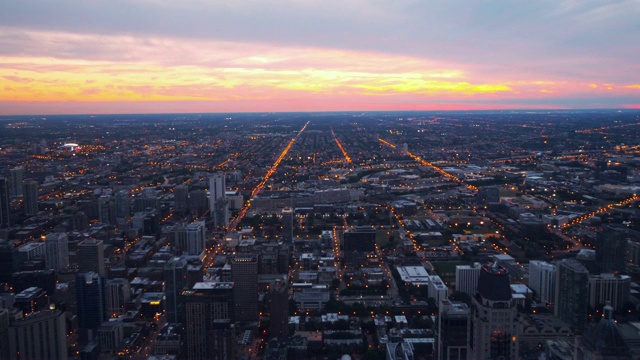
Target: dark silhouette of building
point(244, 274)
point(494, 329)
point(603, 341)
point(41, 335)
point(279, 309)
point(91, 256)
point(8, 261)
point(611, 247)
point(30, 197)
point(5, 210)
point(572, 293)
point(453, 330)
point(488, 195)
point(287, 224)
point(360, 240)
point(91, 304)
point(207, 313)
point(175, 280)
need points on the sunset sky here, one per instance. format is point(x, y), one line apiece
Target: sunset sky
point(142, 56)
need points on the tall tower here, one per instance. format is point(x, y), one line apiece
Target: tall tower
point(494, 333)
point(118, 294)
point(17, 176)
point(453, 330)
point(217, 200)
point(91, 256)
point(8, 261)
point(542, 280)
point(91, 302)
point(5, 210)
point(196, 234)
point(244, 273)
point(611, 248)
point(181, 198)
point(572, 293)
point(30, 197)
point(205, 309)
point(56, 254)
point(287, 224)
point(279, 309)
point(175, 280)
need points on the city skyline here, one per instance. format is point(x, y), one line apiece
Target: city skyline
point(159, 56)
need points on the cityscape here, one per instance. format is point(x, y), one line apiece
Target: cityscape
point(501, 234)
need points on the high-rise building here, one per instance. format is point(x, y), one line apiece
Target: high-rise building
point(244, 274)
point(17, 176)
point(41, 335)
point(202, 307)
point(494, 330)
point(91, 303)
point(56, 251)
point(175, 281)
point(223, 339)
point(572, 293)
point(453, 330)
point(196, 235)
point(181, 198)
point(279, 309)
point(542, 280)
point(118, 293)
point(123, 206)
point(5, 203)
point(218, 204)
point(611, 288)
point(107, 210)
point(8, 261)
point(198, 202)
point(467, 278)
point(91, 256)
point(611, 247)
point(30, 197)
point(287, 224)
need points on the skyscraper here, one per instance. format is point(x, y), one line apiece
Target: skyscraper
point(91, 256)
point(30, 197)
point(181, 198)
point(41, 335)
point(118, 294)
point(5, 210)
point(453, 330)
point(572, 293)
point(56, 254)
point(467, 278)
point(217, 200)
point(611, 288)
point(244, 274)
point(91, 303)
point(279, 309)
point(287, 224)
point(542, 280)
point(611, 247)
point(175, 280)
point(196, 235)
point(8, 261)
point(17, 176)
point(494, 333)
point(202, 308)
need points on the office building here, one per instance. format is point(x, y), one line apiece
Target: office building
point(279, 309)
point(218, 205)
point(17, 177)
point(494, 332)
point(56, 251)
point(181, 199)
point(123, 206)
point(542, 280)
point(202, 307)
point(91, 304)
point(572, 293)
point(611, 288)
point(196, 235)
point(453, 330)
point(91, 256)
point(175, 281)
point(287, 224)
point(611, 247)
point(32, 299)
point(30, 197)
point(5, 204)
point(41, 335)
point(118, 293)
point(467, 278)
point(437, 289)
point(244, 274)
point(360, 240)
point(9, 261)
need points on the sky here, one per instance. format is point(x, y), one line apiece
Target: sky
point(156, 56)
